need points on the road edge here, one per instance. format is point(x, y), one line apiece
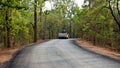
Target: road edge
point(8, 63)
point(89, 50)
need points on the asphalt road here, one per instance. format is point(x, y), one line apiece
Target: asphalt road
point(60, 54)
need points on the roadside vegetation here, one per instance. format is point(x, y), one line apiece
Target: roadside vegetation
point(25, 21)
point(99, 22)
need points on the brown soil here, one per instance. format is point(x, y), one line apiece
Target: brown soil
point(98, 49)
point(6, 54)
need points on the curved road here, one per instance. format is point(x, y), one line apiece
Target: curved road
point(60, 54)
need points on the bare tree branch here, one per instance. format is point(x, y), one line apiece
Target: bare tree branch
point(118, 7)
point(113, 15)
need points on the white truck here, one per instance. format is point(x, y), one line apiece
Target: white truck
point(63, 35)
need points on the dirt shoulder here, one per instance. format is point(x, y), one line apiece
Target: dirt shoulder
point(98, 49)
point(6, 54)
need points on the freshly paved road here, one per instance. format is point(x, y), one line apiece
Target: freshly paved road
point(60, 54)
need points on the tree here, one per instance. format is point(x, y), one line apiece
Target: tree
point(115, 11)
point(35, 21)
point(9, 8)
point(97, 22)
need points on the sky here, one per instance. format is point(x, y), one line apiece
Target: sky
point(49, 5)
point(79, 3)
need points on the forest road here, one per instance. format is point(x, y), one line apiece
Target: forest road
point(60, 53)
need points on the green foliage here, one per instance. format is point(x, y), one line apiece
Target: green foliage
point(15, 18)
point(93, 22)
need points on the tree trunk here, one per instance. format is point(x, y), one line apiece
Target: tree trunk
point(118, 7)
point(45, 26)
point(94, 40)
point(40, 14)
point(35, 21)
point(8, 41)
point(116, 20)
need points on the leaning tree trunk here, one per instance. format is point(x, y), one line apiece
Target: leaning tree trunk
point(116, 20)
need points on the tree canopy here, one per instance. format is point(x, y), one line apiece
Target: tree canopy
point(25, 21)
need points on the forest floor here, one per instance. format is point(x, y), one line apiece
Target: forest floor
point(6, 54)
point(101, 50)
